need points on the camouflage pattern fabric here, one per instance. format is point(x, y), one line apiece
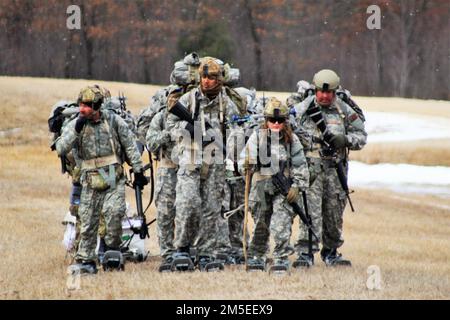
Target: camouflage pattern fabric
point(271, 211)
point(326, 198)
point(197, 211)
point(94, 142)
point(157, 102)
point(200, 179)
point(159, 143)
point(230, 231)
point(110, 203)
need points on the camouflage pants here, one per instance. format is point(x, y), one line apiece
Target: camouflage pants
point(198, 207)
point(326, 204)
point(272, 215)
point(75, 195)
point(110, 203)
point(230, 231)
point(74, 205)
point(166, 180)
point(223, 244)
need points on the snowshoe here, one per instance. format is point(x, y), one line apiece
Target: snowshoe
point(224, 258)
point(208, 264)
point(182, 262)
point(256, 265)
point(113, 260)
point(280, 267)
point(166, 265)
point(239, 259)
point(304, 261)
point(333, 259)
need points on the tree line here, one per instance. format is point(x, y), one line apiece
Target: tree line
point(274, 43)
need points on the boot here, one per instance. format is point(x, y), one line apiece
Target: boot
point(113, 259)
point(166, 264)
point(207, 263)
point(256, 264)
point(333, 258)
point(181, 261)
point(280, 266)
point(225, 258)
point(304, 260)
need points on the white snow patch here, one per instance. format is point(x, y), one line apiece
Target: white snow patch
point(391, 127)
point(403, 178)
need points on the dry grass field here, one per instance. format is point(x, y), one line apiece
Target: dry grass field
point(406, 236)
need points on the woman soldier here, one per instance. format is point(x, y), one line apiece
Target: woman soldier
point(273, 152)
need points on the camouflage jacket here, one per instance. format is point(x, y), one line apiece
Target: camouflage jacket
point(94, 140)
point(267, 163)
point(158, 137)
point(339, 118)
point(220, 121)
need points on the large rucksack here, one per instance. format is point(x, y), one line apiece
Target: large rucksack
point(119, 107)
point(61, 111)
point(238, 100)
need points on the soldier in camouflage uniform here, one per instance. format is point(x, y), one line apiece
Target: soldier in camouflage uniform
point(230, 231)
point(323, 150)
point(103, 140)
point(157, 102)
point(270, 149)
point(159, 143)
point(230, 228)
point(118, 106)
point(201, 172)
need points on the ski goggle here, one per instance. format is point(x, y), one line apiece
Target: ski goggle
point(279, 120)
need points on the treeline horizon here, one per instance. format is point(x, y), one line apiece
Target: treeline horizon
point(274, 43)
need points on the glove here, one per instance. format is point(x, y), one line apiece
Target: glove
point(140, 180)
point(79, 124)
point(292, 195)
point(171, 100)
point(338, 141)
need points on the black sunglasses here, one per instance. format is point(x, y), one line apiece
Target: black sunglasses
point(279, 120)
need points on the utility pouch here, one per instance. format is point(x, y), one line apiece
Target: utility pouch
point(101, 180)
point(96, 181)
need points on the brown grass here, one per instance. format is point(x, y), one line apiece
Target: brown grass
point(428, 153)
point(405, 235)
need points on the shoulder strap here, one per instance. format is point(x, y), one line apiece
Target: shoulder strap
point(111, 140)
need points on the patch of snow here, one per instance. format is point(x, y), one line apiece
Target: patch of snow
point(402, 178)
point(392, 127)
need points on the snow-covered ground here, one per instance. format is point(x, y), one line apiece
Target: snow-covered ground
point(391, 127)
point(401, 178)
